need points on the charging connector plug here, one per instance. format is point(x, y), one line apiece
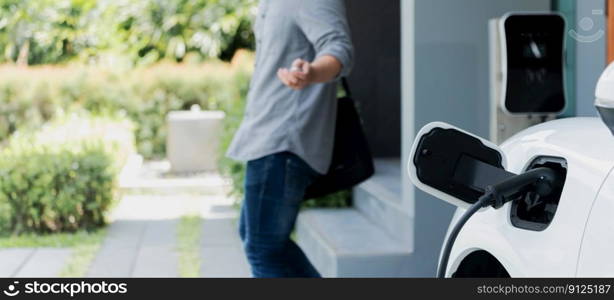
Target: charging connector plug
point(540, 180)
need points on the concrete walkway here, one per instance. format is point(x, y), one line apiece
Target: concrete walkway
point(141, 241)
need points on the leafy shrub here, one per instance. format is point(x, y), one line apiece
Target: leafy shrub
point(63, 177)
point(29, 97)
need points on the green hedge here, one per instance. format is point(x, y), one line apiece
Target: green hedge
point(63, 177)
point(29, 97)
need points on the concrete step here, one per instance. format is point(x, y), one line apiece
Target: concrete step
point(386, 182)
point(343, 243)
point(156, 178)
point(379, 200)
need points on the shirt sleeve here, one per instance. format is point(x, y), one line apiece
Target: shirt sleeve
point(325, 25)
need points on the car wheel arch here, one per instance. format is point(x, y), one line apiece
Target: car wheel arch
point(480, 263)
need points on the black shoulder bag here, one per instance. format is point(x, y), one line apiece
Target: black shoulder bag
point(352, 162)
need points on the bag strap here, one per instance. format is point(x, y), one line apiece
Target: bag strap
point(346, 87)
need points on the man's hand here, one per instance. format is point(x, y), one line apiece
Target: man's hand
point(303, 73)
point(299, 76)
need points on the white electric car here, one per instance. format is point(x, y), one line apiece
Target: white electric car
point(559, 223)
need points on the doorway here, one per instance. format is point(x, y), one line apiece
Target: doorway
point(376, 78)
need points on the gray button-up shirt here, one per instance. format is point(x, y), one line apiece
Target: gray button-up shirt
point(277, 118)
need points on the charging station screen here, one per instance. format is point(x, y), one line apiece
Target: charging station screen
point(535, 57)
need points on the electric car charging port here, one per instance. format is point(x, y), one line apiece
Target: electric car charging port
point(533, 212)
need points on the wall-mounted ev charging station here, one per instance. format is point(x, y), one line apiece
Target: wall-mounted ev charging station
point(527, 71)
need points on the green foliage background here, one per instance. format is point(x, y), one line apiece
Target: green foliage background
point(132, 32)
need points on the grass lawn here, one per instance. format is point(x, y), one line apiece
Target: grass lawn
point(188, 245)
point(84, 246)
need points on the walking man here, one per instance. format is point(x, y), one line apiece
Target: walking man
point(286, 137)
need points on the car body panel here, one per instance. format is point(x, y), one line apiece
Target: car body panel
point(586, 144)
point(598, 243)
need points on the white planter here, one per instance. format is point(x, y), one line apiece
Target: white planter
point(193, 140)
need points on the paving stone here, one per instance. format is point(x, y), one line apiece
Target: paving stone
point(224, 262)
point(45, 262)
point(141, 240)
point(220, 232)
point(119, 250)
point(222, 251)
point(157, 255)
point(11, 260)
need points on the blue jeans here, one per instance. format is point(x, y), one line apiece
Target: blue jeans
point(274, 188)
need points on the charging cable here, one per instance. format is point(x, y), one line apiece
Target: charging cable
point(540, 180)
